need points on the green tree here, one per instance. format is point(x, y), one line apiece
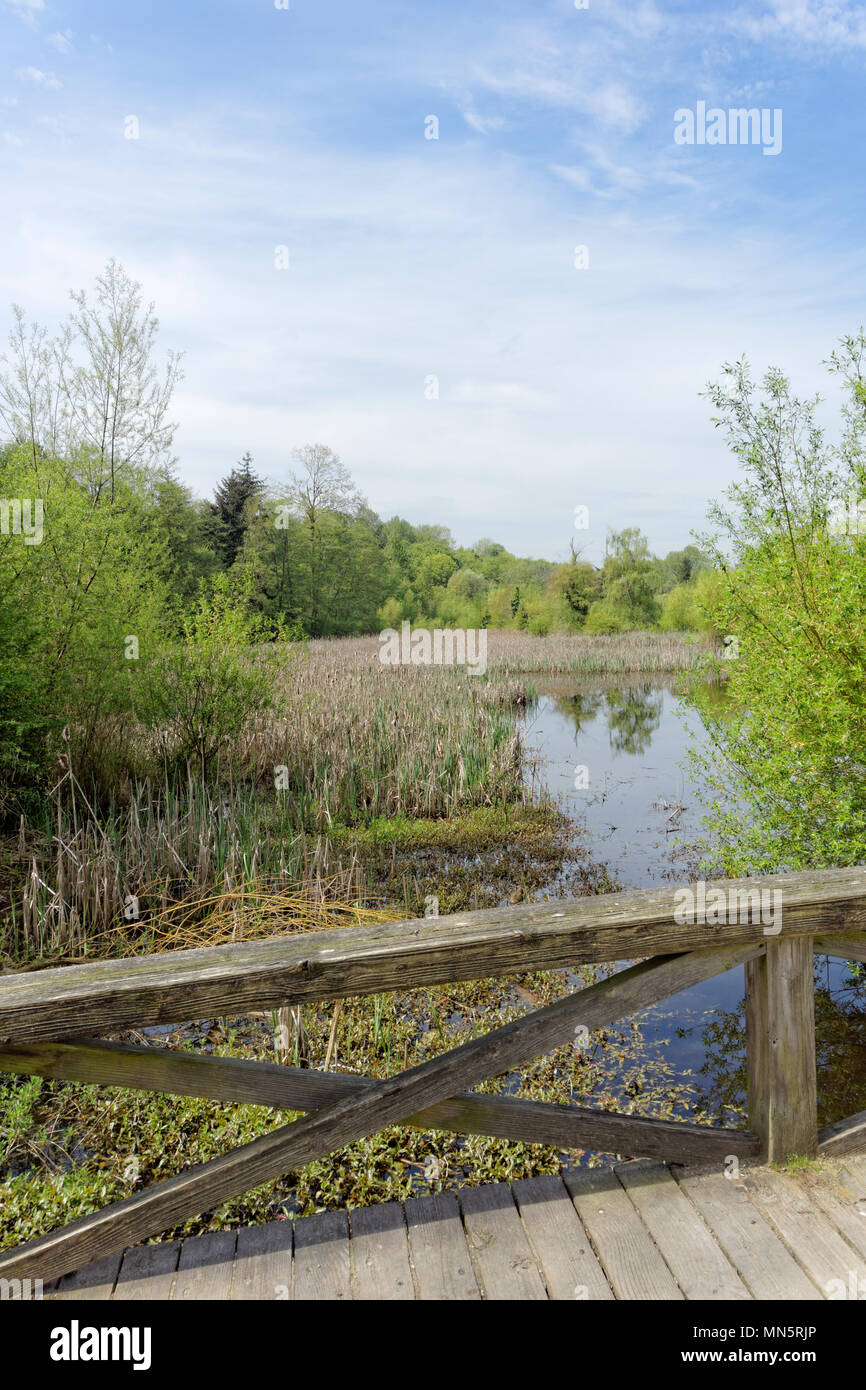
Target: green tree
point(230, 507)
point(789, 744)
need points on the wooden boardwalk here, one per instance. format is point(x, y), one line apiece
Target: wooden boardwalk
point(641, 1231)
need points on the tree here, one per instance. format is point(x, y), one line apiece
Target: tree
point(322, 484)
point(230, 509)
point(629, 579)
point(93, 395)
point(788, 745)
point(577, 584)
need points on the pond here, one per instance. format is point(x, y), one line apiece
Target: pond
point(613, 755)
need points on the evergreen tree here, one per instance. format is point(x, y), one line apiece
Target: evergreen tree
point(230, 507)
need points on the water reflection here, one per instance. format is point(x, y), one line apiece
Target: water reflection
point(638, 815)
point(632, 713)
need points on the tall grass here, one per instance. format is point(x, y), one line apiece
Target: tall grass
point(162, 860)
point(175, 861)
point(515, 653)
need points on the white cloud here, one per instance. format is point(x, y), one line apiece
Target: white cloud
point(482, 124)
point(827, 24)
point(557, 386)
point(37, 77)
point(26, 9)
point(580, 178)
point(61, 41)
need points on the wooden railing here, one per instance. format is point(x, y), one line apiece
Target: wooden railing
point(50, 1022)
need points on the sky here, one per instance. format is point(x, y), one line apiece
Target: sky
point(492, 327)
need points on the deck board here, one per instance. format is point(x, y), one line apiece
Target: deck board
point(750, 1241)
point(687, 1245)
point(440, 1255)
point(380, 1253)
point(641, 1230)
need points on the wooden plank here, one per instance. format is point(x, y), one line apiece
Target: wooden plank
point(562, 1249)
point(438, 1249)
point(629, 1256)
point(95, 1281)
point(503, 1258)
point(204, 1270)
point(812, 1238)
point(688, 1248)
point(382, 1104)
point(780, 1046)
point(380, 1253)
point(237, 1080)
point(848, 945)
point(322, 1268)
point(81, 1000)
point(842, 1200)
point(148, 1272)
point(751, 1243)
point(843, 1137)
point(854, 1172)
point(263, 1262)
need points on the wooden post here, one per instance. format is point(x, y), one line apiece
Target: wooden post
point(780, 1047)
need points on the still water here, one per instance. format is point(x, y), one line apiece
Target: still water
point(613, 755)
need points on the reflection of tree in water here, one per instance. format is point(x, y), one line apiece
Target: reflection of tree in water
point(579, 707)
point(633, 715)
point(840, 1031)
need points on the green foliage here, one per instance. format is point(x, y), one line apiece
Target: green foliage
point(201, 692)
point(230, 508)
point(789, 746)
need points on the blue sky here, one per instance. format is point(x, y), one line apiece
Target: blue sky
point(454, 257)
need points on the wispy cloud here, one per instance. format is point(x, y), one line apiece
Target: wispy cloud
point(822, 24)
point(26, 9)
point(37, 77)
point(482, 124)
point(61, 41)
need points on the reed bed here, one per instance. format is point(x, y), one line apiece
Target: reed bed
point(165, 861)
point(173, 867)
point(178, 862)
point(514, 653)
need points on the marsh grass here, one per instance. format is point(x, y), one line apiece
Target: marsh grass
point(513, 653)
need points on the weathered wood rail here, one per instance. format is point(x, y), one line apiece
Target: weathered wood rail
point(50, 1022)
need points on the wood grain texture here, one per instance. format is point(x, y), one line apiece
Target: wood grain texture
point(263, 1262)
point(503, 1258)
point(751, 1243)
point(83, 1000)
point(322, 1266)
point(236, 1080)
point(380, 1254)
point(812, 1237)
point(848, 945)
point(628, 1254)
point(780, 1046)
point(562, 1248)
point(148, 1272)
point(843, 1137)
point(688, 1247)
point(438, 1249)
point(204, 1270)
point(382, 1104)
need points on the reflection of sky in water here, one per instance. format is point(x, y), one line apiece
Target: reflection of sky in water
point(632, 738)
